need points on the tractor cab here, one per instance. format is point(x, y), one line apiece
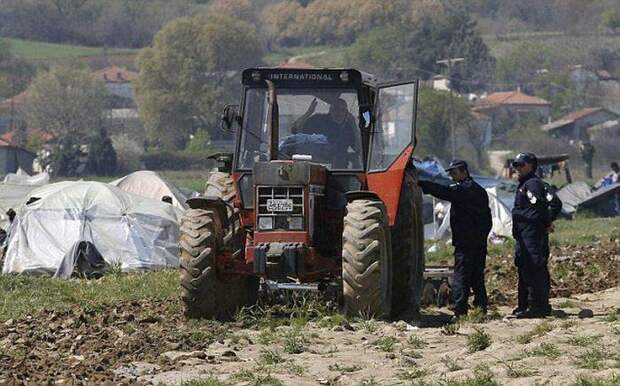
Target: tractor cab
point(317, 150)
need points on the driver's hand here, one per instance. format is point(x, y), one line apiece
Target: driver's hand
point(312, 107)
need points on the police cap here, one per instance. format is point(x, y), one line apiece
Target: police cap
point(524, 158)
point(457, 163)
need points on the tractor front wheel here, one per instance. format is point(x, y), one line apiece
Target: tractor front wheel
point(205, 293)
point(366, 260)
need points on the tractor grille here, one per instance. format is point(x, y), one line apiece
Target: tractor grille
point(281, 219)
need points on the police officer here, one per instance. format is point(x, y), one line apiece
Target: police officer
point(470, 221)
point(536, 207)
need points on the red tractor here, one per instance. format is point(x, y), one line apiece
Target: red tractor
point(319, 195)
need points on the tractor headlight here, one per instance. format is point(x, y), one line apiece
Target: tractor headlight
point(296, 223)
point(265, 223)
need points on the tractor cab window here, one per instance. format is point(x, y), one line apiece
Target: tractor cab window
point(318, 125)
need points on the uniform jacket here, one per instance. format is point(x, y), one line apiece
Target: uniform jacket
point(536, 207)
point(470, 216)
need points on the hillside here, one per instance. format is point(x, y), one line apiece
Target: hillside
point(40, 51)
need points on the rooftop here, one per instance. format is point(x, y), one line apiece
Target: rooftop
point(507, 98)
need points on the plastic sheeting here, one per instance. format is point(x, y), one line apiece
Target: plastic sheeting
point(22, 178)
point(134, 232)
point(500, 214)
point(572, 195)
point(147, 183)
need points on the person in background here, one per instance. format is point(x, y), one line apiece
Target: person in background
point(535, 208)
point(470, 221)
point(611, 178)
point(587, 154)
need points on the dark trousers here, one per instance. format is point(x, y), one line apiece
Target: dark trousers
point(469, 266)
point(534, 286)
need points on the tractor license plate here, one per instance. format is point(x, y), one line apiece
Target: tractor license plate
point(279, 205)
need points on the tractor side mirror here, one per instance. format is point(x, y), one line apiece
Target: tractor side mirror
point(230, 116)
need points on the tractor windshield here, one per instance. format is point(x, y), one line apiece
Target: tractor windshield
point(318, 125)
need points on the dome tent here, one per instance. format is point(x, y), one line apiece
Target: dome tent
point(135, 232)
point(147, 183)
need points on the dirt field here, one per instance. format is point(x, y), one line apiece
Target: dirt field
point(129, 329)
point(148, 342)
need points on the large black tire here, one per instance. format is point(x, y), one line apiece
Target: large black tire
point(366, 260)
point(407, 236)
point(205, 293)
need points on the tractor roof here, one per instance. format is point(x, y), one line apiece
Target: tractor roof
point(307, 77)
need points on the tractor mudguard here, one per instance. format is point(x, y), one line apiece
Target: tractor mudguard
point(213, 203)
point(361, 194)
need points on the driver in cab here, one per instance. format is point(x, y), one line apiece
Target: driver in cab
point(338, 126)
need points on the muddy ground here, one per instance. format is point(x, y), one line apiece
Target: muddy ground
point(147, 341)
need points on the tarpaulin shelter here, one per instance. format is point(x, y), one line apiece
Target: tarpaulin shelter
point(604, 202)
point(572, 195)
point(147, 183)
point(431, 170)
point(133, 232)
point(14, 190)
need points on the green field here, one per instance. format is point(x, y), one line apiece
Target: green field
point(31, 50)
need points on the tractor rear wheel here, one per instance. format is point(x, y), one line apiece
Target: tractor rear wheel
point(205, 292)
point(408, 249)
point(366, 260)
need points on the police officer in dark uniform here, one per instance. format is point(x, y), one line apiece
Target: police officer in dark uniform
point(536, 207)
point(470, 221)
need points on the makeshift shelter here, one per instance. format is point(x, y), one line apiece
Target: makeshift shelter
point(431, 170)
point(15, 189)
point(500, 214)
point(572, 195)
point(134, 232)
point(147, 183)
point(604, 202)
point(13, 158)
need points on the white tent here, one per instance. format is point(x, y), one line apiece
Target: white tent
point(135, 232)
point(501, 215)
point(22, 178)
point(14, 190)
point(150, 184)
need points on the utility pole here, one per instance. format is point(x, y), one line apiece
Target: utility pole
point(450, 63)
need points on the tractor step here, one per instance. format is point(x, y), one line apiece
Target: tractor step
point(275, 286)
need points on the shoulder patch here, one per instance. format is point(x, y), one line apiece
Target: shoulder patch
point(531, 197)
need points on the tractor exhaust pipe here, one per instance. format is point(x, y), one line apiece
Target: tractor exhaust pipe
point(274, 122)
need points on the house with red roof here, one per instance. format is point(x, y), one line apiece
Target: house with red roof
point(515, 102)
point(576, 124)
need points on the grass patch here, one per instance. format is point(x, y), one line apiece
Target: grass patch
point(267, 337)
point(369, 326)
point(412, 374)
point(385, 343)
point(23, 295)
point(476, 315)
point(540, 329)
point(294, 341)
point(333, 321)
point(32, 50)
point(613, 316)
point(591, 359)
point(209, 381)
point(294, 368)
point(547, 350)
point(567, 304)
point(257, 377)
point(416, 342)
point(483, 376)
point(270, 357)
point(344, 369)
point(451, 329)
point(478, 340)
point(584, 340)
